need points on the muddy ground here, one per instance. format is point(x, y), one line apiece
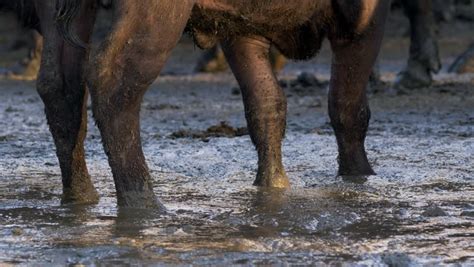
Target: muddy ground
point(418, 210)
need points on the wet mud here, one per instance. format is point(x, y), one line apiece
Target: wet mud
point(223, 129)
point(417, 210)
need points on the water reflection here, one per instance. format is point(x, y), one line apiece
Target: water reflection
point(131, 222)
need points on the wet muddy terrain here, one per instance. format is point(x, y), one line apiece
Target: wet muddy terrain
point(418, 210)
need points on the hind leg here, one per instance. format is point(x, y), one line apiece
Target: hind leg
point(465, 62)
point(353, 60)
point(424, 56)
point(33, 60)
point(120, 73)
point(265, 105)
point(212, 61)
point(61, 86)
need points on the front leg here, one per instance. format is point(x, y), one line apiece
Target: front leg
point(265, 105)
point(129, 60)
point(353, 60)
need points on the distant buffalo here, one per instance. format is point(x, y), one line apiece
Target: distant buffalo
point(26, 14)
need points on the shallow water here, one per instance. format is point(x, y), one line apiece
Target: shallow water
point(418, 209)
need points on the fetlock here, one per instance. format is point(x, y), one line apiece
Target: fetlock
point(415, 75)
point(82, 192)
point(272, 177)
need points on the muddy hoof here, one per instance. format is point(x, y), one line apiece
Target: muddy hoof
point(356, 171)
point(414, 77)
point(272, 181)
point(354, 164)
point(140, 200)
point(355, 179)
point(80, 197)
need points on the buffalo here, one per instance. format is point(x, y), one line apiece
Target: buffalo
point(143, 35)
point(131, 56)
point(25, 12)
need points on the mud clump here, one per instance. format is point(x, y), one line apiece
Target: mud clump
point(221, 130)
point(434, 211)
point(5, 138)
point(468, 213)
point(17, 231)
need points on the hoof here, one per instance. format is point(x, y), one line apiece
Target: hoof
point(356, 171)
point(87, 196)
point(139, 200)
point(355, 179)
point(354, 162)
point(357, 167)
point(414, 77)
point(273, 181)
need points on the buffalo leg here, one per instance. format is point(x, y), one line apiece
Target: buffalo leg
point(465, 62)
point(28, 67)
point(424, 57)
point(353, 60)
point(212, 61)
point(444, 10)
point(33, 60)
point(61, 86)
point(120, 73)
point(265, 105)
